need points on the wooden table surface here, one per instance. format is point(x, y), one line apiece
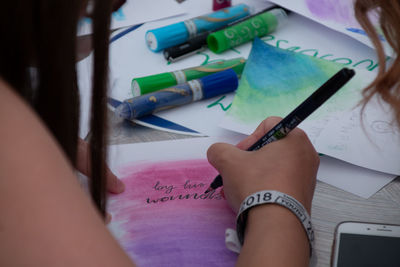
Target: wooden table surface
point(330, 205)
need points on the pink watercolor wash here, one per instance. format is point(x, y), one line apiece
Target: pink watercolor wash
point(164, 218)
point(338, 11)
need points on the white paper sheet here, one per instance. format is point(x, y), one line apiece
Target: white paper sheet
point(135, 12)
point(375, 144)
point(335, 14)
point(356, 180)
point(131, 58)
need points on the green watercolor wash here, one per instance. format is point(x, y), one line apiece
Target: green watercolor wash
point(276, 81)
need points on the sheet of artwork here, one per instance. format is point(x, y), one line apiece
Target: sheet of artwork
point(337, 15)
point(276, 81)
point(371, 141)
point(164, 218)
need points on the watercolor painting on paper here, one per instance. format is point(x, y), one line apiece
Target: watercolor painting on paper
point(337, 15)
point(164, 218)
point(275, 81)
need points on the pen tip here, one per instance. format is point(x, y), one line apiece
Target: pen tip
point(208, 190)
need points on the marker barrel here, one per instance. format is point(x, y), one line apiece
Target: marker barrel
point(246, 31)
point(178, 33)
point(206, 87)
point(152, 83)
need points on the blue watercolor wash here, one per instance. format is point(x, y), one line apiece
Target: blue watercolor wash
point(268, 65)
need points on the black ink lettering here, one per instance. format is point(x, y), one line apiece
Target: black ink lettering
point(184, 197)
point(168, 189)
point(187, 185)
point(204, 196)
point(163, 199)
point(218, 196)
point(149, 201)
point(196, 196)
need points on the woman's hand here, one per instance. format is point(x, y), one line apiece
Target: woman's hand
point(288, 165)
point(114, 185)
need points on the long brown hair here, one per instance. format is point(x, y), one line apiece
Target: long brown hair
point(43, 34)
point(387, 82)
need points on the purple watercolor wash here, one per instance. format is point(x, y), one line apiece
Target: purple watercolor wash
point(164, 218)
point(339, 11)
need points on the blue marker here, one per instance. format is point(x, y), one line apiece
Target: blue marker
point(206, 87)
point(178, 33)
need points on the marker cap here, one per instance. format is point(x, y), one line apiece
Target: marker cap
point(167, 36)
point(148, 84)
point(219, 83)
point(218, 4)
point(280, 15)
point(257, 26)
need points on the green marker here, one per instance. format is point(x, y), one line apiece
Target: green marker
point(152, 83)
point(245, 31)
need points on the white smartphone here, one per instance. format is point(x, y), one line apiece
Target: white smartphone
point(366, 244)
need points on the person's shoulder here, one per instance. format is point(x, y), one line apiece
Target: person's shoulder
point(25, 140)
point(5, 88)
point(8, 96)
point(17, 118)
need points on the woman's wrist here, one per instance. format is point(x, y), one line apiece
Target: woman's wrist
point(273, 232)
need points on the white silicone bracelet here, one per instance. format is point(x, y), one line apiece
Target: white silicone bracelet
point(273, 197)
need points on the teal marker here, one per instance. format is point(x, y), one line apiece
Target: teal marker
point(178, 33)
